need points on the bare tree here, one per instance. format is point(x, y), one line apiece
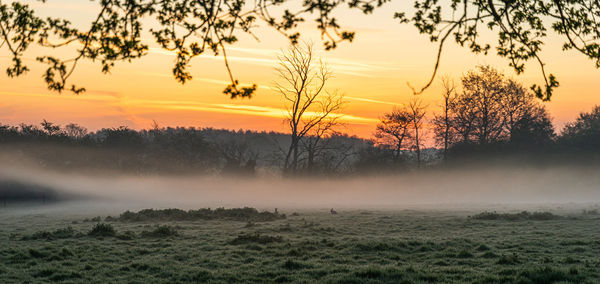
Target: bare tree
point(393, 129)
point(239, 157)
point(50, 128)
point(75, 131)
point(442, 124)
point(308, 104)
point(417, 111)
point(314, 143)
point(484, 91)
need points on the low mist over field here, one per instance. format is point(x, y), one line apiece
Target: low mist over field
point(451, 187)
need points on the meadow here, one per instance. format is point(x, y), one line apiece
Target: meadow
point(304, 246)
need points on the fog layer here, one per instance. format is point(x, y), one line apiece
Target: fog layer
point(453, 188)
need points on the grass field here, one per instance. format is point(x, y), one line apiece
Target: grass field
point(353, 246)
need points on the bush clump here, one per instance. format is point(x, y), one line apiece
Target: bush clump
point(255, 239)
point(126, 236)
point(102, 230)
point(94, 219)
point(549, 275)
point(294, 265)
point(245, 214)
point(161, 232)
point(523, 215)
point(63, 233)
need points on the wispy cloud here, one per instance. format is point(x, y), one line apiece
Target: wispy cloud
point(6, 111)
point(268, 58)
point(240, 109)
point(203, 79)
point(91, 96)
point(372, 101)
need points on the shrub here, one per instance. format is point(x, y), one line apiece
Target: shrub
point(524, 215)
point(483, 247)
point(293, 265)
point(548, 275)
point(464, 254)
point(245, 214)
point(508, 259)
point(128, 235)
point(255, 238)
point(56, 234)
point(102, 230)
point(37, 254)
point(161, 232)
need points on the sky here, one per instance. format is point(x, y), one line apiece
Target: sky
point(372, 72)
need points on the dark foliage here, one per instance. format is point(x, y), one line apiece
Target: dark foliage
point(583, 135)
point(245, 214)
point(255, 239)
point(521, 134)
point(521, 216)
point(102, 230)
point(161, 232)
point(64, 233)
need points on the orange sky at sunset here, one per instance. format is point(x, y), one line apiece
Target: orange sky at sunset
point(372, 72)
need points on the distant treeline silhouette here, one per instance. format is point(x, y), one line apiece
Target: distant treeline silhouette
point(212, 151)
point(487, 118)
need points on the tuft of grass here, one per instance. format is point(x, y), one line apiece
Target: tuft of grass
point(482, 247)
point(489, 254)
point(255, 239)
point(523, 215)
point(511, 259)
point(294, 265)
point(549, 275)
point(126, 236)
point(63, 233)
point(160, 232)
point(37, 254)
point(464, 254)
point(102, 230)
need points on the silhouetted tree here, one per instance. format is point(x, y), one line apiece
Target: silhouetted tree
point(533, 130)
point(442, 124)
point(584, 133)
point(330, 154)
point(491, 110)
point(50, 128)
point(121, 137)
point(75, 131)
point(308, 104)
point(482, 93)
point(239, 157)
point(371, 158)
point(417, 111)
point(314, 145)
point(393, 130)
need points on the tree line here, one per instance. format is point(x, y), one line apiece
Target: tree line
point(460, 136)
point(484, 116)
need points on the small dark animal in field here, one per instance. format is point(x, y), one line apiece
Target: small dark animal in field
point(333, 212)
